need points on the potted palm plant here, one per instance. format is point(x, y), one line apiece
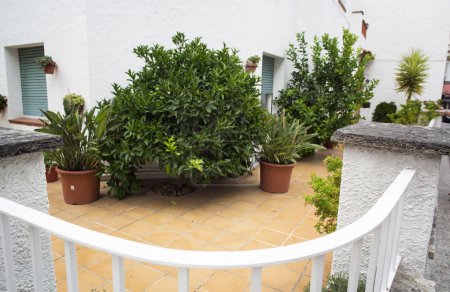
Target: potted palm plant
point(47, 64)
point(50, 167)
point(78, 159)
point(278, 151)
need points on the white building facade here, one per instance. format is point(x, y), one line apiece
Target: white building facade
point(92, 41)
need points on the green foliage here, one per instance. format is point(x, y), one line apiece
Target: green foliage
point(382, 111)
point(339, 283)
point(411, 113)
point(254, 59)
point(192, 109)
point(412, 73)
point(283, 140)
point(3, 102)
point(44, 61)
point(73, 102)
point(81, 135)
point(326, 195)
point(326, 96)
point(49, 160)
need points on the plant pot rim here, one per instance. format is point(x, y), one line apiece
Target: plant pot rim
point(277, 165)
point(76, 172)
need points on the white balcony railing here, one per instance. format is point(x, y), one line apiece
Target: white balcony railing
point(383, 219)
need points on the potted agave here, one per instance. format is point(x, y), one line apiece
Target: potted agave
point(47, 64)
point(278, 151)
point(50, 167)
point(78, 159)
point(252, 63)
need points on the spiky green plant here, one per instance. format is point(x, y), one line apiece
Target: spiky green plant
point(412, 73)
point(283, 140)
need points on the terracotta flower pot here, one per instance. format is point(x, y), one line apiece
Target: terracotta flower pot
point(50, 174)
point(49, 69)
point(80, 187)
point(275, 178)
point(250, 67)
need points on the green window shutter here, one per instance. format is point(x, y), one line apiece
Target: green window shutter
point(268, 65)
point(32, 79)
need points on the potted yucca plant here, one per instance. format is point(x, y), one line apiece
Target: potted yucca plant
point(50, 167)
point(78, 159)
point(278, 151)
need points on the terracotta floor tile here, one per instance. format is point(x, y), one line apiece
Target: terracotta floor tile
point(66, 216)
point(229, 241)
point(119, 207)
point(244, 228)
point(197, 277)
point(232, 214)
point(253, 244)
point(138, 228)
point(233, 282)
point(61, 286)
point(116, 222)
point(280, 277)
point(60, 269)
point(271, 237)
point(99, 214)
point(139, 277)
point(187, 243)
point(197, 216)
point(159, 219)
point(87, 257)
point(138, 213)
point(161, 237)
point(306, 231)
point(180, 226)
point(88, 281)
point(58, 246)
point(218, 222)
point(244, 206)
point(284, 226)
point(167, 284)
point(174, 210)
point(203, 232)
point(103, 268)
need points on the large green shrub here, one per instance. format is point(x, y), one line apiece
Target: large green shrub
point(382, 110)
point(327, 95)
point(326, 195)
point(192, 109)
point(339, 283)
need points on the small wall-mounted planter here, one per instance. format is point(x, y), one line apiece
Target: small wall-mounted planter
point(250, 67)
point(50, 68)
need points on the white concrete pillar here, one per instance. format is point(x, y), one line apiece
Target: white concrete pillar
point(374, 155)
point(22, 179)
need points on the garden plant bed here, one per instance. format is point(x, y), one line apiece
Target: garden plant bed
point(211, 218)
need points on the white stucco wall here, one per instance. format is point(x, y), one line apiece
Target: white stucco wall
point(395, 28)
point(23, 180)
point(366, 174)
point(60, 26)
point(92, 41)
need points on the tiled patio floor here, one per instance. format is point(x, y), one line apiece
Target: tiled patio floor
point(212, 218)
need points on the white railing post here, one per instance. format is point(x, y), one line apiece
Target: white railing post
point(353, 275)
point(183, 279)
point(374, 251)
point(8, 253)
point(118, 274)
point(317, 273)
point(71, 266)
point(256, 283)
point(398, 222)
point(36, 258)
point(381, 255)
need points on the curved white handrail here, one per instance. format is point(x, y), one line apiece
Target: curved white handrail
point(215, 259)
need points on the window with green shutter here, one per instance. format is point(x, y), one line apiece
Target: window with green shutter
point(33, 83)
point(268, 66)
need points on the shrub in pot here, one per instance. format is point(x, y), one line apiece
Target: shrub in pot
point(280, 147)
point(382, 112)
point(78, 159)
point(3, 103)
point(50, 167)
